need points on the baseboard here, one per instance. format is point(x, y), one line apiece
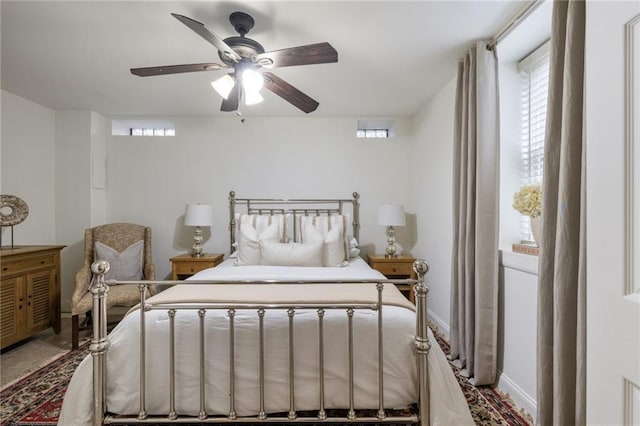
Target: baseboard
point(442, 325)
point(520, 397)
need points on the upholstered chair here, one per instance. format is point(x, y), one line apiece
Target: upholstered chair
point(127, 247)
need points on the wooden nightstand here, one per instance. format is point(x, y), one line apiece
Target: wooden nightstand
point(185, 265)
point(398, 267)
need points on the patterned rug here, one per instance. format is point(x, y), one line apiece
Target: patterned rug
point(36, 399)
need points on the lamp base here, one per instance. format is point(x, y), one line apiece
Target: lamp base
point(390, 251)
point(196, 249)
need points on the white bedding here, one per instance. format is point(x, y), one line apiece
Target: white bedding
point(448, 405)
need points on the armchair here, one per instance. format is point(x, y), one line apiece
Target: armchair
point(121, 240)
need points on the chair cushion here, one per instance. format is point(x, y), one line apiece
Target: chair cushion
point(125, 265)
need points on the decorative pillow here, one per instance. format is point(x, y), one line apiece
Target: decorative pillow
point(291, 254)
point(249, 243)
point(125, 265)
point(332, 245)
point(334, 224)
point(260, 222)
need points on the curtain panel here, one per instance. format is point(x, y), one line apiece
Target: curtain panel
point(561, 375)
point(474, 263)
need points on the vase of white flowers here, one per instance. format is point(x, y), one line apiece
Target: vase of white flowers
point(528, 201)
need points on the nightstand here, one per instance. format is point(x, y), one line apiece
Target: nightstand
point(185, 265)
point(397, 267)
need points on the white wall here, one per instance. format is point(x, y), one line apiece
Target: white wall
point(28, 167)
point(73, 197)
point(150, 179)
point(431, 197)
point(517, 313)
point(100, 127)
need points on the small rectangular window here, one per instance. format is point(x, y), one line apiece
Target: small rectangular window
point(142, 127)
point(375, 128)
point(372, 133)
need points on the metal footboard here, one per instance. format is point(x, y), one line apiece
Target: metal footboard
point(99, 348)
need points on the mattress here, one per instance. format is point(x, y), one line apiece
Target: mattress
point(448, 403)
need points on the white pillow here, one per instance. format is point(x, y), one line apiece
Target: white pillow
point(249, 243)
point(332, 245)
point(291, 254)
point(125, 265)
point(260, 222)
point(326, 225)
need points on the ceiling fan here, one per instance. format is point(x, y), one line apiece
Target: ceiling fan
point(247, 58)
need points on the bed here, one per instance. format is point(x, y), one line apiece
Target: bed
point(247, 342)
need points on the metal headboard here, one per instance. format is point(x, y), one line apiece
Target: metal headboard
point(294, 207)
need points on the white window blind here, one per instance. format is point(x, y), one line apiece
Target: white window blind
point(534, 74)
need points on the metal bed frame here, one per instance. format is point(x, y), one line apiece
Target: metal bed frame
point(100, 344)
point(295, 208)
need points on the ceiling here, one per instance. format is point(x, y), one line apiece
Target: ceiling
point(393, 56)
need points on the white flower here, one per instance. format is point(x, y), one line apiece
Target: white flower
point(528, 200)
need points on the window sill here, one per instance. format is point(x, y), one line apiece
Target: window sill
point(519, 261)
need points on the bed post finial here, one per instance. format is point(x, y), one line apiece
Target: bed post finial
point(232, 220)
point(99, 343)
point(421, 342)
point(356, 215)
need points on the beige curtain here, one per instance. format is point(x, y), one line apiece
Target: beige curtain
point(474, 275)
point(562, 262)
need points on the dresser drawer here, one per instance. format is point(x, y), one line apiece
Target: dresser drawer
point(394, 268)
point(23, 264)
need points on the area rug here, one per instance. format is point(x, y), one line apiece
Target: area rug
point(36, 399)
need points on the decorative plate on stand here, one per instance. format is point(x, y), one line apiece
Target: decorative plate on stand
point(13, 210)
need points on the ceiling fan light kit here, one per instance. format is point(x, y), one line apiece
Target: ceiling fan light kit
point(247, 57)
point(223, 85)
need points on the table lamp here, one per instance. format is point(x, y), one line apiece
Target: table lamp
point(198, 215)
point(391, 215)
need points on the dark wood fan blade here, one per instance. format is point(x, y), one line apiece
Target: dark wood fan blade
point(176, 69)
point(232, 102)
point(289, 93)
point(320, 53)
point(208, 35)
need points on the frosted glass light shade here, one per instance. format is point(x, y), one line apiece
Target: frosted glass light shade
point(391, 215)
point(252, 98)
point(223, 85)
point(198, 215)
point(252, 81)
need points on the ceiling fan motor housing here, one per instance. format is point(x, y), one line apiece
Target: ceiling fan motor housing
point(243, 46)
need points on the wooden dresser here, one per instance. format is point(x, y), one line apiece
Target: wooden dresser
point(29, 292)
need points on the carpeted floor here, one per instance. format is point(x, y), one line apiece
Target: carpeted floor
point(36, 399)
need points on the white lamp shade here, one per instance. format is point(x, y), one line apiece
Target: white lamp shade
point(252, 98)
point(391, 215)
point(223, 85)
point(198, 215)
point(252, 80)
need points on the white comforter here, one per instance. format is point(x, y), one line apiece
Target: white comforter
point(448, 405)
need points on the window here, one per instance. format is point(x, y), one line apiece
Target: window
point(142, 127)
point(372, 133)
point(534, 74)
point(375, 128)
